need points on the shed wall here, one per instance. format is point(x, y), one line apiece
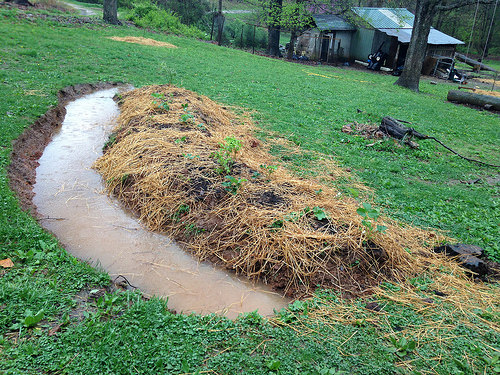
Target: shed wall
point(361, 43)
point(345, 43)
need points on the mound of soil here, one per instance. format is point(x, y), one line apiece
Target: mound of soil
point(189, 168)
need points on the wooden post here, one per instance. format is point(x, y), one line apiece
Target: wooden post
point(321, 37)
point(220, 24)
point(213, 22)
point(253, 43)
point(329, 48)
point(316, 45)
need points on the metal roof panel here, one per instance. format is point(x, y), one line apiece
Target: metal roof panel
point(386, 18)
point(436, 37)
point(398, 22)
point(331, 22)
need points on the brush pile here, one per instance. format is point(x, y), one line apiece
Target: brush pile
point(191, 169)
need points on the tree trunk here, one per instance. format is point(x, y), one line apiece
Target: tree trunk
point(220, 24)
point(220, 27)
point(273, 31)
point(273, 40)
point(293, 39)
point(410, 77)
point(110, 14)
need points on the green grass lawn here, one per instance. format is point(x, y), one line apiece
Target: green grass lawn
point(495, 64)
point(236, 5)
point(120, 333)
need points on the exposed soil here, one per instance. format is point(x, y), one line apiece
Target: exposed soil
point(28, 148)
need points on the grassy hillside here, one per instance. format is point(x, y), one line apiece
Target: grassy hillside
point(120, 333)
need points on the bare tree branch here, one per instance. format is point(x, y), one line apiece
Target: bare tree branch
point(462, 3)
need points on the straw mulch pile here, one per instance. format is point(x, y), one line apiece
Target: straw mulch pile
point(487, 92)
point(143, 41)
point(166, 161)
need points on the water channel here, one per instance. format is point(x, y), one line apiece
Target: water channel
point(92, 226)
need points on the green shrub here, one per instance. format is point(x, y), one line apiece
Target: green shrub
point(188, 11)
point(241, 35)
point(148, 15)
point(127, 4)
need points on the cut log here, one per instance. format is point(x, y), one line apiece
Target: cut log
point(474, 99)
point(396, 129)
point(473, 63)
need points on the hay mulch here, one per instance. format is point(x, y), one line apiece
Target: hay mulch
point(487, 92)
point(489, 81)
point(291, 233)
point(143, 41)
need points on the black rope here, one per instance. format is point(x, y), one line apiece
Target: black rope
point(125, 279)
point(412, 132)
point(463, 157)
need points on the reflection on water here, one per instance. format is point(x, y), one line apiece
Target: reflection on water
point(92, 226)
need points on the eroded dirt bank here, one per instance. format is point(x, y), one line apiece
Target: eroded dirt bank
point(28, 148)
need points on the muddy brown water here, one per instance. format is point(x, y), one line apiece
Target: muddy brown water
point(70, 197)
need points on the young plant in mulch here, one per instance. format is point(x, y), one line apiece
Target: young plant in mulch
point(370, 216)
point(233, 184)
point(225, 154)
point(160, 101)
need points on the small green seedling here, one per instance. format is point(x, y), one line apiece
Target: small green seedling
point(170, 73)
point(193, 230)
point(186, 118)
point(319, 213)
point(110, 142)
point(268, 168)
point(370, 213)
point(232, 145)
point(183, 209)
point(31, 320)
point(256, 174)
point(161, 102)
point(402, 346)
point(273, 365)
point(233, 184)
point(224, 155)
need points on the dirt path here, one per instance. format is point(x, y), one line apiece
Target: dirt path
point(83, 11)
point(238, 11)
